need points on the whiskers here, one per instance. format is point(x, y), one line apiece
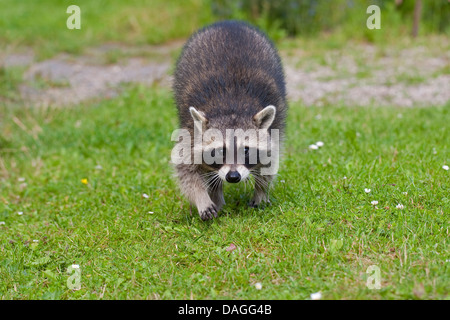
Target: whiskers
point(248, 182)
point(259, 181)
point(211, 180)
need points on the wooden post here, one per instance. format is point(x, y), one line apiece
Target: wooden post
point(416, 17)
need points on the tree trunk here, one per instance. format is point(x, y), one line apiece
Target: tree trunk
point(416, 17)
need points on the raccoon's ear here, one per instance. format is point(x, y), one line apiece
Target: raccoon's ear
point(265, 117)
point(198, 116)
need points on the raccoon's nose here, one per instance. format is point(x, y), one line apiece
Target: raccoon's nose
point(233, 177)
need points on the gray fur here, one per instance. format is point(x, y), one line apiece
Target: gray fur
point(226, 74)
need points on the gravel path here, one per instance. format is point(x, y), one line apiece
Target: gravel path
point(360, 75)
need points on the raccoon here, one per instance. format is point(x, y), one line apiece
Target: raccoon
point(228, 78)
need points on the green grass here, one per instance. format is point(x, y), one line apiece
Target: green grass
point(292, 247)
point(320, 232)
point(10, 79)
point(41, 25)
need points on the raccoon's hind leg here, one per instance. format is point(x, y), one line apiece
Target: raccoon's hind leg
point(192, 185)
point(262, 185)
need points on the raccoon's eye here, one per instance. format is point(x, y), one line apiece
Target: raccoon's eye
point(219, 151)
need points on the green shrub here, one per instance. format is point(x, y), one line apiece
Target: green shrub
point(308, 17)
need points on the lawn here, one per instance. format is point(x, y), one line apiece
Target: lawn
point(41, 25)
point(91, 185)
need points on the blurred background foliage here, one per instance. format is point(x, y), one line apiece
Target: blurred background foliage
point(42, 24)
point(310, 17)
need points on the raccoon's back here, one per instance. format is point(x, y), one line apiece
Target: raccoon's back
point(229, 67)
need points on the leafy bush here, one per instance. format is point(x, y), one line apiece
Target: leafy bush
point(308, 17)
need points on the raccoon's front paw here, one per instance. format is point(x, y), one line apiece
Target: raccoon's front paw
point(253, 204)
point(208, 213)
point(257, 204)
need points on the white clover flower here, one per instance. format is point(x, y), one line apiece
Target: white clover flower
point(345, 178)
point(2, 222)
point(20, 213)
point(35, 240)
point(258, 286)
point(145, 195)
point(367, 190)
point(445, 167)
point(405, 193)
point(151, 212)
point(400, 206)
point(313, 147)
point(76, 266)
point(374, 202)
point(319, 143)
point(316, 296)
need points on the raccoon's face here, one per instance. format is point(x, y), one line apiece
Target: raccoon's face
point(234, 153)
point(230, 170)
